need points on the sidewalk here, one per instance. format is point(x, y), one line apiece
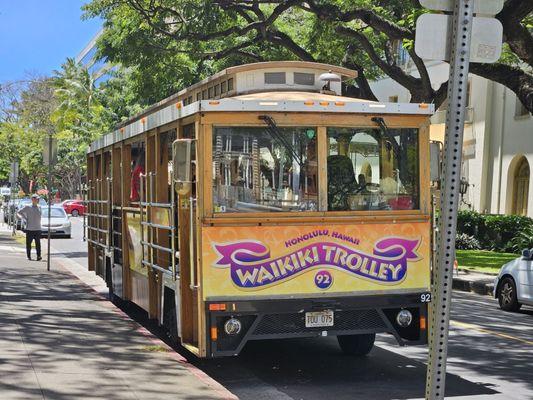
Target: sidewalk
point(59, 339)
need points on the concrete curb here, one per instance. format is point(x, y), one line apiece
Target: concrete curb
point(482, 287)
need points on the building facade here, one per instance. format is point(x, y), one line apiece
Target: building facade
point(498, 142)
point(99, 68)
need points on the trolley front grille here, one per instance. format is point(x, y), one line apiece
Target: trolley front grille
point(291, 323)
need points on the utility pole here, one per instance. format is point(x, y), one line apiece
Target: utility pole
point(453, 149)
point(432, 41)
point(50, 160)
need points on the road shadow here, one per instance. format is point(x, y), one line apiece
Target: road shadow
point(315, 369)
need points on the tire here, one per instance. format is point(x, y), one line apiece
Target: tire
point(75, 213)
point(356, 345)
point(69, 236)
point(507, 296)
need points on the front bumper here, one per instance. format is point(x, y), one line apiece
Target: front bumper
point(285, 318)
point(60, 230)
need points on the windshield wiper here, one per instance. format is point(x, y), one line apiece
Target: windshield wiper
point(274, 132)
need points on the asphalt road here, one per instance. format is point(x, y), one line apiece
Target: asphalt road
point(490, 357)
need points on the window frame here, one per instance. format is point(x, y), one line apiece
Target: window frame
point(317, 121)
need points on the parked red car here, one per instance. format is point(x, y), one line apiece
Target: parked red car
point(74, 207)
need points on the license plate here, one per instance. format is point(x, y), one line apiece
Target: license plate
point(318, 319)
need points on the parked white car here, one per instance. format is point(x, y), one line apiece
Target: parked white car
point(59, 222)
point(514, 284)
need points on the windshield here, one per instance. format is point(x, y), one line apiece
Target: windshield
point(54, 213)
point(255, 169)
point(372, 169)
point(27, 202)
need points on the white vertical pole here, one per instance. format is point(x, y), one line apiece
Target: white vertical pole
point(453, 143)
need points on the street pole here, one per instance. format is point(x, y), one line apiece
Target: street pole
point(453, 144)
point(49, 196)
point(84, 197)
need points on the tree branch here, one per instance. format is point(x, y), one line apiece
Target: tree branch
point(517, 35)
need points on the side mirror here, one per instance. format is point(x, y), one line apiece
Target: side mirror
point(182, 164)
point(435, 161)
point(526, 253)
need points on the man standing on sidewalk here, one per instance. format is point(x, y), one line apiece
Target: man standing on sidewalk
point(32, 215)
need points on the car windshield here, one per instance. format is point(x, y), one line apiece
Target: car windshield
point(55, 213)
point(27, 202)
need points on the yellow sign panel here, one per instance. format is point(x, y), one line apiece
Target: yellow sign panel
point(294, 260)
point(133, 234)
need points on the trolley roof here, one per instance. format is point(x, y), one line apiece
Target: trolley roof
point(251, 91)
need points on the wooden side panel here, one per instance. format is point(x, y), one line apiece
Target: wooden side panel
point(90, 219)
point(161, 196)
point(423, 144)
point(312, 119)
point(322, 168)
point(151, 150)
point(125, 194)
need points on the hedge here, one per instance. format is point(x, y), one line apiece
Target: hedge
point(494, 232)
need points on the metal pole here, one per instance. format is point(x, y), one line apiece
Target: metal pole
point(453, 143)
point(49, 197)
point(85, 209)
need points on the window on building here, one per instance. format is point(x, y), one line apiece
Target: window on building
point(255, 171)
point(217, 90)
point(230, 84)
point(372, 169)
point(210, 92)
point(275, 78)
point(520, 109)
point(198, 96)
point(204, 94)
point(301, 78)
point(224, 87)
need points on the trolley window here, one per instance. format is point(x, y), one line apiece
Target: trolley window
point(373, 169)
point(257, 170)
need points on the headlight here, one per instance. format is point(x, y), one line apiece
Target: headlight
point(232, 326)
point(404, 318)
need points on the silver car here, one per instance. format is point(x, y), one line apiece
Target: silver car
point(59, 222)
point(514, 284)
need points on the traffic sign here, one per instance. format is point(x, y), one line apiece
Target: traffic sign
point(49, 151)
point(14, 173)
point(433, 38)
point(491, 7)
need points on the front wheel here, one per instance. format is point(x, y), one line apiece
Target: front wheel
point(356, 345)
point(507, 296)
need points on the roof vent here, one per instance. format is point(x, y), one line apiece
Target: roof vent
point(328, 77)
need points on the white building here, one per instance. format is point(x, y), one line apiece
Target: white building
point(98, 67)
point(498, 142)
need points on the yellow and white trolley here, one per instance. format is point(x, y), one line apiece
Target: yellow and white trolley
point(260, 203)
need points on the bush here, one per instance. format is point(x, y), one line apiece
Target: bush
point(495, 232)
point(524, 240)
point(464, 241)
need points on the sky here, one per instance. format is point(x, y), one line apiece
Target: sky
point(36, 36)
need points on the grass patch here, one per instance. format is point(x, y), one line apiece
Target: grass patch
point(482, 260)
point(155, 348)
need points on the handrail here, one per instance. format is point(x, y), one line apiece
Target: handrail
point(156, 267)
point(191, 244)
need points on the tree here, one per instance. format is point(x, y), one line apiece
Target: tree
point(67, 105)
point(25, 122)
point(195, 37)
